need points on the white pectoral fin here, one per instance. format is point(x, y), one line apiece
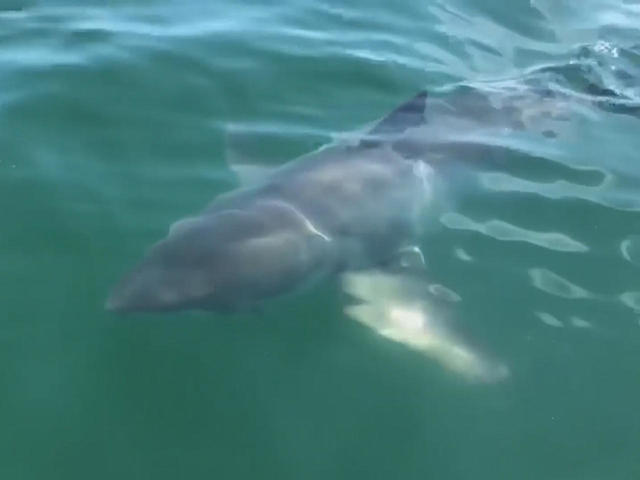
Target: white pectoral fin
point(394, 306)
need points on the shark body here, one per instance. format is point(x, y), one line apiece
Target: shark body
point(352, 208)
point(341, 208)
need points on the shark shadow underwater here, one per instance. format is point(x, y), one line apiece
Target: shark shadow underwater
point(354, 209)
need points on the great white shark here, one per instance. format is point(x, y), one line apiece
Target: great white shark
point(345, 207)
point(355, 208)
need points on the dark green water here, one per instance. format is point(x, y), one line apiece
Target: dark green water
point(111, 128)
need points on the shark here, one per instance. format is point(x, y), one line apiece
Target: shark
point(341, 208)
point(354, 209)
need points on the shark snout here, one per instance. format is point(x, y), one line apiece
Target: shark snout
point(125, 297)
point(113, 303)
point(143, 290)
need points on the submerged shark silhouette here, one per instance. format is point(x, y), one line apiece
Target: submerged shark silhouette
point(350, 208)
point(340, 208)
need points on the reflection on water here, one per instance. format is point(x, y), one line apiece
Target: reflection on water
point(505, 231)
point(556, 285)
point(630, 248)
point(549, 319)
point(632, 300)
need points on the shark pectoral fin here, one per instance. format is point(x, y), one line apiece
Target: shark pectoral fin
point(394, 307)
point(408, 115)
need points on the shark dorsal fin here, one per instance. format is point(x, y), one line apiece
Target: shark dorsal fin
point(409, 114)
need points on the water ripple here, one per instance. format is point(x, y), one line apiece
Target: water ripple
point(609, 193)
point(549, 319)
point(507, 232)
point(631, 300)
point(630, 249)
point(554, 284)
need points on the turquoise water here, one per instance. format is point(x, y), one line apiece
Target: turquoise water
point(112, 121)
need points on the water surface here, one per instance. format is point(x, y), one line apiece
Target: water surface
point(112, 126)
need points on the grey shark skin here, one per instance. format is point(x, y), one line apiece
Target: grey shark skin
point(342, 207)
point(354, 208)
point(351, 205)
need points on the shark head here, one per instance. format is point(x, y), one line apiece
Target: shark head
point(180, 269)
point(223, 261)
point(162, 283)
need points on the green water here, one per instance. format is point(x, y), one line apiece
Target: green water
point(112, 120)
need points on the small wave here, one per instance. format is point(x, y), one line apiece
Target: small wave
point(554, 284)
point(501, 230)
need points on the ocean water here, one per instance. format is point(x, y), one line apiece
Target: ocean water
point(112, 126)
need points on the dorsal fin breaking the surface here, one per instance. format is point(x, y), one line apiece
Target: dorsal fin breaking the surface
point(409, 114)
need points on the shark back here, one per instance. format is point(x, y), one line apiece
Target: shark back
point(345, 206)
